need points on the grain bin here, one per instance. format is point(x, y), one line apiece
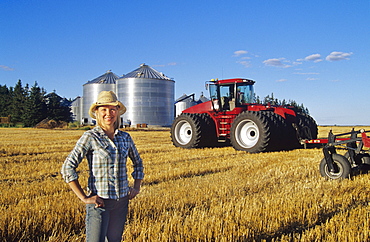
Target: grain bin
point(184, 102)
point(91, 90)
point(76, 109)
point(148, 96)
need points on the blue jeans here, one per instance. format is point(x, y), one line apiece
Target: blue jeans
point(107, 223)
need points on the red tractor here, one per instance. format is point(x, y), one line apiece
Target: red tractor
point(232, 116)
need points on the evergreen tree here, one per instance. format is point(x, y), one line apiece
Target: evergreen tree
point(55, 108)
point(35, 110)
point(284, 102)
point(256, 98)
point(17, 104)
point(5, 98)
point(31, 105)
point(274, 101)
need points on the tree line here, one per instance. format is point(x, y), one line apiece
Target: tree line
point(274, 101)
point(31, 105)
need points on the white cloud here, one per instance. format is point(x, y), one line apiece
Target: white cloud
point(242, 59)
point(244, 63)
point(6, 68)
point(281, 80)
point(240, 52)
point(312, 79)
point(314, 57)
point(168, 64)
point(337, 56)
point(278, 62)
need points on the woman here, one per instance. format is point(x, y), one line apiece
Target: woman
point(106, 149)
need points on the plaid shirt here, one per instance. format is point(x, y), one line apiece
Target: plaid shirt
point(107, 162)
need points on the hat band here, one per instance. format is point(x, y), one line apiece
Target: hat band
point(109, 102)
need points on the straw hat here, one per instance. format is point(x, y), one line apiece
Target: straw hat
point(106, 98)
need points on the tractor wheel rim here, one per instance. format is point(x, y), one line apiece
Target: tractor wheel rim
point(183, 132)
point(247, 133)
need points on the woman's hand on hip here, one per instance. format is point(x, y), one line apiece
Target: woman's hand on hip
point(133, 192)
point(98, 201)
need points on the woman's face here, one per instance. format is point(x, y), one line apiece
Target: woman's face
point(107, 115)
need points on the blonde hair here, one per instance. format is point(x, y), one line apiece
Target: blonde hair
point(117, 123)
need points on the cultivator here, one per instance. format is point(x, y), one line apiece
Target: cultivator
point(357, 157)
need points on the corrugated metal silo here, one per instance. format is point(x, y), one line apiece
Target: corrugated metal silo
point(91, 90)
point(148, 96)
point(76, 109)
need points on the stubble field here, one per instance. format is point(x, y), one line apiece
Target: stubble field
point(212, 194)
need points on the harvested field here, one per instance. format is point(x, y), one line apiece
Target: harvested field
point(212, 194)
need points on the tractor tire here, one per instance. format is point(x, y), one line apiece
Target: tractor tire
point(307, 127)
point(251, 132)
point(186, 131)
point(341, 165)
point(281, 136)
point(208, 127)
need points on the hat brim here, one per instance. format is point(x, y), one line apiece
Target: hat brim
point(94, 106)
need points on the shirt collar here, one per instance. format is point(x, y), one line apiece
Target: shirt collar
point(101, 131)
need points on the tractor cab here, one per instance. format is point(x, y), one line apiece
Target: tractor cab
point(230, 93)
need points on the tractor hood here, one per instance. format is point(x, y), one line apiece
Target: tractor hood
point(200, 108)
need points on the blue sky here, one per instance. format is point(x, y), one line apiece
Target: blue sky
point(314, 52)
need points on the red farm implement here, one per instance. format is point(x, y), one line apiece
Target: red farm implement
point(357, 157)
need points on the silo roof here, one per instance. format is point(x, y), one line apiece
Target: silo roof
point(145, 71)
point(107, 78)
point(203, 99)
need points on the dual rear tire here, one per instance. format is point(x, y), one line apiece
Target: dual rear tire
point(259, 131)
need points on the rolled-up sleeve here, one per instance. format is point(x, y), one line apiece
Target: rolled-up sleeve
point(74, 158)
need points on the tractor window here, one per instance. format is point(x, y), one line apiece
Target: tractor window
point(244, 94)
point(221, 96)
point(213, 92)
point(226, 94)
